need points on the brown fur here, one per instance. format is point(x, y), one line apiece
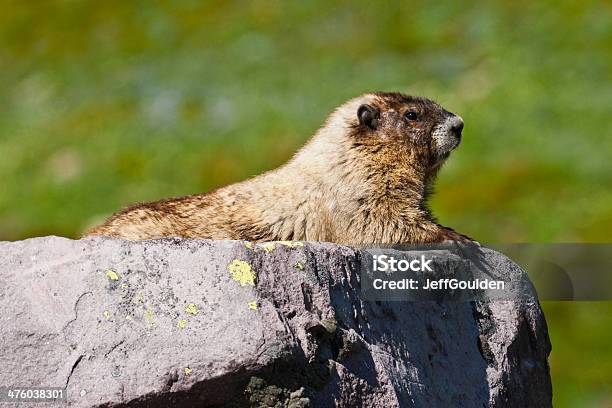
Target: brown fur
point(350, 184)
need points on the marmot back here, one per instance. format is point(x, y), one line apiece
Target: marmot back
point(363, 178)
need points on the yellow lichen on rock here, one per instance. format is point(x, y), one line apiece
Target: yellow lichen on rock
point(241, 272)
point(268, 246)
point(253, 305)
point(181, 324)
point(291, 244)
point(191, 309)
point(299, 265)
point(112, 275)
point(107, 315)
point(148, 315)
point(249, 245)
point(188, 370)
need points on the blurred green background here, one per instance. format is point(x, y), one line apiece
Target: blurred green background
point(108, 103)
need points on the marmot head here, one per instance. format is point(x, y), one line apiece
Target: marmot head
point(394, 122)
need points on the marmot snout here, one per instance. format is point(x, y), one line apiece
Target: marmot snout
point(363, 178)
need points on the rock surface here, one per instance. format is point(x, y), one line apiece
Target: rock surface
point(227, 323)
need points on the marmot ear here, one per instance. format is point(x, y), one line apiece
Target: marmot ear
point(368, 116)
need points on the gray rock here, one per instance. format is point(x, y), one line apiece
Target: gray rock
point(179, 323)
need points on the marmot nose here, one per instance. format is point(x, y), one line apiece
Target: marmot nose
point(456, 125)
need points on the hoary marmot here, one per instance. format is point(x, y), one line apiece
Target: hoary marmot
point(363, 178)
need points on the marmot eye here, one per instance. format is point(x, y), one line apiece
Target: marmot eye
point(411, 115)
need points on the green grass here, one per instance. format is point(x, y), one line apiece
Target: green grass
point(109, 103)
